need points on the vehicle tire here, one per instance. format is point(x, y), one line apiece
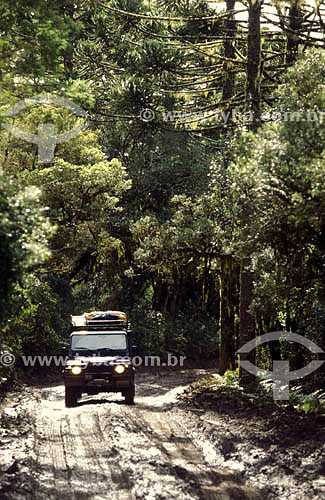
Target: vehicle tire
point(129, 395)
point(71, 396)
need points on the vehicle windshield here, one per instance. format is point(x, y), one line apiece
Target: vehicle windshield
point(99, 343)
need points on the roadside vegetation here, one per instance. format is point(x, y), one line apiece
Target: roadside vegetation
point(216, 390)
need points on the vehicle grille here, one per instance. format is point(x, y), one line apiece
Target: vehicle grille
point(98, 368)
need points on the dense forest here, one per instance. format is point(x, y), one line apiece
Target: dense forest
point(192, 198)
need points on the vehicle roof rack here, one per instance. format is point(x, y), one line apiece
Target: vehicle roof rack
point(100, 328)
point(99, 320)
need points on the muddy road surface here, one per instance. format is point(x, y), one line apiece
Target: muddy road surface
point(103, 449)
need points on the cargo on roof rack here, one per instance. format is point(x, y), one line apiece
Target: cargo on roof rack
point(99, 319)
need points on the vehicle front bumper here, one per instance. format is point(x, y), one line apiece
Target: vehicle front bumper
point(107, 382)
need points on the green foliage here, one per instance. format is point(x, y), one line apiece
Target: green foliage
point(277, 184)
point(37, 44)
point(79, 192)
point(6, 250)
point(39, 316)
point(214, 387)
point(24, 232)
point(307, 403)
point(146, 213)
point(186, 243)
point(81, 188)
point(156, 333)
point(24, 227)
point(228, 387)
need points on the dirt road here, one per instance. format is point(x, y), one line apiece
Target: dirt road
point(103, 449)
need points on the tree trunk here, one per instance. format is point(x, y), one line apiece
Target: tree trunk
point(247, 328)
point(228, 88)
point(295, 25)
point(228, 286)
point(253, 85)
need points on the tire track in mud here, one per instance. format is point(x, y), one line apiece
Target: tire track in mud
point(186, 462)
point(72, 456)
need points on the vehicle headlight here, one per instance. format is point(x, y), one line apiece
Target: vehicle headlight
point(76, 370)
point(119, 369)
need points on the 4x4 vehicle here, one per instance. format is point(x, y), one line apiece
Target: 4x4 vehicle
point(99, 357)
